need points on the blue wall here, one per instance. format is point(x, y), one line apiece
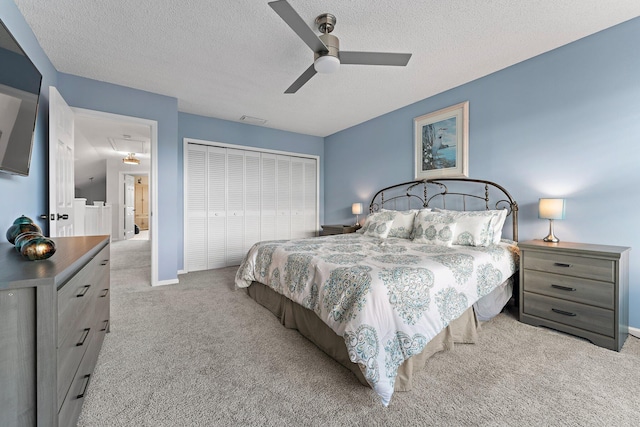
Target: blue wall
point(217, 130)
point(565, 123)
point(28, 195)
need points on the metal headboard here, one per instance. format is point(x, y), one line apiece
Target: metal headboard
point(447, 193)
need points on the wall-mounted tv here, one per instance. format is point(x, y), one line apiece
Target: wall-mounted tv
point(19, 92)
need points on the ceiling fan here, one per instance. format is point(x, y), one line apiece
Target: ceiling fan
point(326, 47)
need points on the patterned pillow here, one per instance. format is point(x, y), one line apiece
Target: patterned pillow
point(402, 223)
point(375, 228)
point(433, 228)
point(474, 228)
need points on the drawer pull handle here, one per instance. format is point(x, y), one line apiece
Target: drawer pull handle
point(563, 288)
point(85, 334)
point(84, 291)
point(106, 325)
point(561, 264)
point(104, 262)
point(86, 386)
point(104, 293)
point(566, 313)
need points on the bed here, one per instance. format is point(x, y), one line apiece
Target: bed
point(429, 263)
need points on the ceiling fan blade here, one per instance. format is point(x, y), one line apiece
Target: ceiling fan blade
point(374, 58)
point(305, 77)
point(297, 24)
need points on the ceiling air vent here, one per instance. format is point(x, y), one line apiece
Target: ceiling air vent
point(252, 120)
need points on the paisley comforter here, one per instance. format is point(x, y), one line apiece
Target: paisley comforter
point(386, 297)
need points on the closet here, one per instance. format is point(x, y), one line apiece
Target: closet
point(236, 197)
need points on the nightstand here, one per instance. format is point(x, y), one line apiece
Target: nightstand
point(328, 230)
point(577, 288)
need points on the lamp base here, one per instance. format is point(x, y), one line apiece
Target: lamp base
point(551, 238)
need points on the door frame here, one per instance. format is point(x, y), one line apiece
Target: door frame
point(153, 177)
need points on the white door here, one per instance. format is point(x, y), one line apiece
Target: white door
point(235, 206)
point(61, 185)
point(129, 206)
point(216, 207)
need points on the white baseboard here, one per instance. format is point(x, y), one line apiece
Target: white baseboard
point(635, 332)
point(166, 282)
point(182, 272)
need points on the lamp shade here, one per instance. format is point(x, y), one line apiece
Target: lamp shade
point(326, 64)
point(551, 209)
point(356, 208)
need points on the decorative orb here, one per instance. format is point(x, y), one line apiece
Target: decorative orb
point(24, 238)
point(23, 220)
point(38, 249)
point(17, 229)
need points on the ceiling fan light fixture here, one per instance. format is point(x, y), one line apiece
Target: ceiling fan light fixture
point(326, 64)
point(131, 159)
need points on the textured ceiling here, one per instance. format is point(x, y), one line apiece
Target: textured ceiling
point(228, 58)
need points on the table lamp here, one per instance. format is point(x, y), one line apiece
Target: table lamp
point(551, 209)
point(356, 209)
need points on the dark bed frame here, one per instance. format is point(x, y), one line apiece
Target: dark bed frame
point(447, 193)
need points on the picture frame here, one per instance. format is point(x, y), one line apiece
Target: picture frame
point(441, 143)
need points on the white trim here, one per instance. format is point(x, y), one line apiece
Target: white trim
point(182, 272)
point(185, 146)
point(167, 282)
point(634, 331)
point(153, 180)
point(248, 148)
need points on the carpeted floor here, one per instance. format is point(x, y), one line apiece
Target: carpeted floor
point(201, 353)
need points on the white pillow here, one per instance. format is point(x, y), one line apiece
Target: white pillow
point(375, 228)
point(434, 228)
point(474, 228)
point(402, 226)
point(498, 222)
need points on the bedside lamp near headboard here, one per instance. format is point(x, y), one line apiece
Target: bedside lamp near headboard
point(551, 209)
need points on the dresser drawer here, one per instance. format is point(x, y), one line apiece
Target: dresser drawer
point(591, 268)
point(594, 319)
point(72, 404)
point(575, 289)
point(70, 354)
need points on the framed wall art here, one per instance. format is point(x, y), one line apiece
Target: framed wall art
point(442, 143)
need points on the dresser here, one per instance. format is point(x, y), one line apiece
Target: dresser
point(328, 230)
point(54, 315)
point(577, 288)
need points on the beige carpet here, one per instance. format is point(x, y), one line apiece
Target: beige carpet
point(203, 354)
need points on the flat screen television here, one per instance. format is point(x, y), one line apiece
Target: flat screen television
point(19, 93)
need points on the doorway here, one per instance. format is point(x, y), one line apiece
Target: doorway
point(103, 141)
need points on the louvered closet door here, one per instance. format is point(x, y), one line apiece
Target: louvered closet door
point(283, 197)
point(268, 206)
point(235, 206)
point(252, 199)
point(310, 197)
point(235, 198)
point(217, 208)
point(196, 235)
point(297, 198)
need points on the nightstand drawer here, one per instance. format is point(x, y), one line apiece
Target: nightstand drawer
point(591, 268)
point(581, 316)
point(575, 289)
